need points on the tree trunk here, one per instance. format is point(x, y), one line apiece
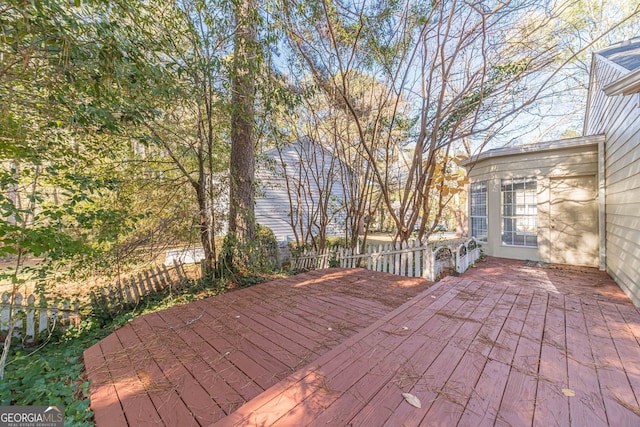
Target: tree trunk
point(242, 167)
point(206, 230)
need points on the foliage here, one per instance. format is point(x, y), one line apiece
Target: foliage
point(267, 247)
point(248, 259)
point(54, 374)
point(336, 241)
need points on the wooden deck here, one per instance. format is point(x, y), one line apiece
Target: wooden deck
point(194, 364)
point(474, 352)
point(553, 278)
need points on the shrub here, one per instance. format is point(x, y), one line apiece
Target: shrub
point(267, 247)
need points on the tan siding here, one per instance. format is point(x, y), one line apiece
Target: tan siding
point(544, 165)
point(559, 163)
point(622, 171)
point(621, 183)
point(622, 210)
point(625, 127)
point(605, 73)
point(623, 258)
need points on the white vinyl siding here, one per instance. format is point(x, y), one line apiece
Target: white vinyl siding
point(313, 178)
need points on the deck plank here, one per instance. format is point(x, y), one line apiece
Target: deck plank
point(271, 405)
point(174, 359)
point(518, 401)
point(136, 403)
point(552, 405)
point(587, 406)
point(620, 403)
point(438, 386)
point(483, 404)
point(170, 407)
point(400, 354)
point(102, 388)
point(225, 384)
point(624, 341)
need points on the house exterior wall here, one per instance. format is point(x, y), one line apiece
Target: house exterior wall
point(618, 117)
point(311, 172)
point(599, 105)
point(546, 166)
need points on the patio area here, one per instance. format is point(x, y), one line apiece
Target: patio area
point(505, 344)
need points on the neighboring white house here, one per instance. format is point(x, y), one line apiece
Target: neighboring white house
point(300, 186)
point(573, 201)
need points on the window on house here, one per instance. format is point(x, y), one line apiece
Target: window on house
point(479, 211)
point(519, 212)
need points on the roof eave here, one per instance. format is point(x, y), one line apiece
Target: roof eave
point(562, 144)
point(626, 85)
point(589, 95)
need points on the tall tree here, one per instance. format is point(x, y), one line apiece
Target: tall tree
point(465, 69)
point(243, 144)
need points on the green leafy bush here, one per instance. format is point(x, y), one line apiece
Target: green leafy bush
point(53, 374)
point(267, 247)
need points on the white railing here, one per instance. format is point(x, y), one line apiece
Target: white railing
point(413, 259)
point(466, 255)
point(30, 320)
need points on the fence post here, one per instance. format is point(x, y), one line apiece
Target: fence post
point(429, 262)
point(405, 260)
point(30, 333)
point(462, 258)
point(66, 307)
point(143, 286)
point(43, 316)
point(5, 312)
point(178, 267)
point(133, 285)
point(18, 319)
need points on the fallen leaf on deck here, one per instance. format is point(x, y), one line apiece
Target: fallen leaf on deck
point(412, 400)
point(568, 392)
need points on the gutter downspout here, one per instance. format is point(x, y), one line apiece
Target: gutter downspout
point(587, 115)
point(602, 218)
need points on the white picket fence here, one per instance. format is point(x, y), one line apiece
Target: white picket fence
point(30, 319)
point(413, 259)
point(120, 296)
